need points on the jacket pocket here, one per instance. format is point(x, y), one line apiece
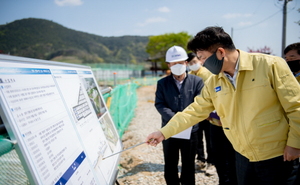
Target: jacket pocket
point(271, 131)
point(268, 119)
point(254, 84)
point(270, 128)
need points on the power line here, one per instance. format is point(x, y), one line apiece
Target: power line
point(259, 22)
point(269, 16)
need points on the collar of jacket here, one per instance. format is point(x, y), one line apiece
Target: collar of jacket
point(198, 72)
point(244, 64)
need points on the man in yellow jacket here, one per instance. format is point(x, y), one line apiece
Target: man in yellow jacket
point(195, 65)
point(292, 57)
point(216, 141)
point(258, 101)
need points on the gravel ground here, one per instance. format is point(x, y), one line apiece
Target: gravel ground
point(144, 164)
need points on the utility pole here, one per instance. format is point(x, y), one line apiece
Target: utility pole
point(284, 25)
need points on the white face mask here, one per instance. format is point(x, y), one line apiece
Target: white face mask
point(178, 69)
point(195, 67)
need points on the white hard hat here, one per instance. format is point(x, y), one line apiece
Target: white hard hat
point(176, 54)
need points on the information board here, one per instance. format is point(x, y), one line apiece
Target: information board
point(56, 113)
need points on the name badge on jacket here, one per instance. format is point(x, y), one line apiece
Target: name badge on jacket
point(217, 89)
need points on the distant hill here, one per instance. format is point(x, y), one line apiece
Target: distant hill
point(44, 39)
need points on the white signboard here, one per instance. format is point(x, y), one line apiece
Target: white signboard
point(58, 117)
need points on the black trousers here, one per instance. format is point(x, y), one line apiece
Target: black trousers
point(224, 156)
point(297, 178)
point(268, 172)
point(204, 130)
point(187, 148)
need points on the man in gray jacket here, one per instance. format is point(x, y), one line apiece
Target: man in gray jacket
point(174, 93)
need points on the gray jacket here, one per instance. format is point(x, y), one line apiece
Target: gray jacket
point(169, 100)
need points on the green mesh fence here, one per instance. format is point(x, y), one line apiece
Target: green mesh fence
point(145, 81)
point(140, 81)
point(122, 105)
point(122, 101)
point(116, 66)
point(5, 145)
point(11, 169)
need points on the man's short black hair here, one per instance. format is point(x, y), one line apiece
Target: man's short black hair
point(191, 56)
point(210, 39)
point(294, 46)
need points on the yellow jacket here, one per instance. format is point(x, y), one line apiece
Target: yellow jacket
point(260, 117)
point(202, 73)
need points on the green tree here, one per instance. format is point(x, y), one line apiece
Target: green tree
point(158, 45)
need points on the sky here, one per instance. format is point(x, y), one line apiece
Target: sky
point(252, 24)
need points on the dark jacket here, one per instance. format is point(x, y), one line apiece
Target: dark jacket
point(168, 99)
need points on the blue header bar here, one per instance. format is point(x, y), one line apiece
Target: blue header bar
point(84, 72)
point(61, 71)
point(17, 71)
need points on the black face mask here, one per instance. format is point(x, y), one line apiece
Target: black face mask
point(213, 64)
point(294, 65)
